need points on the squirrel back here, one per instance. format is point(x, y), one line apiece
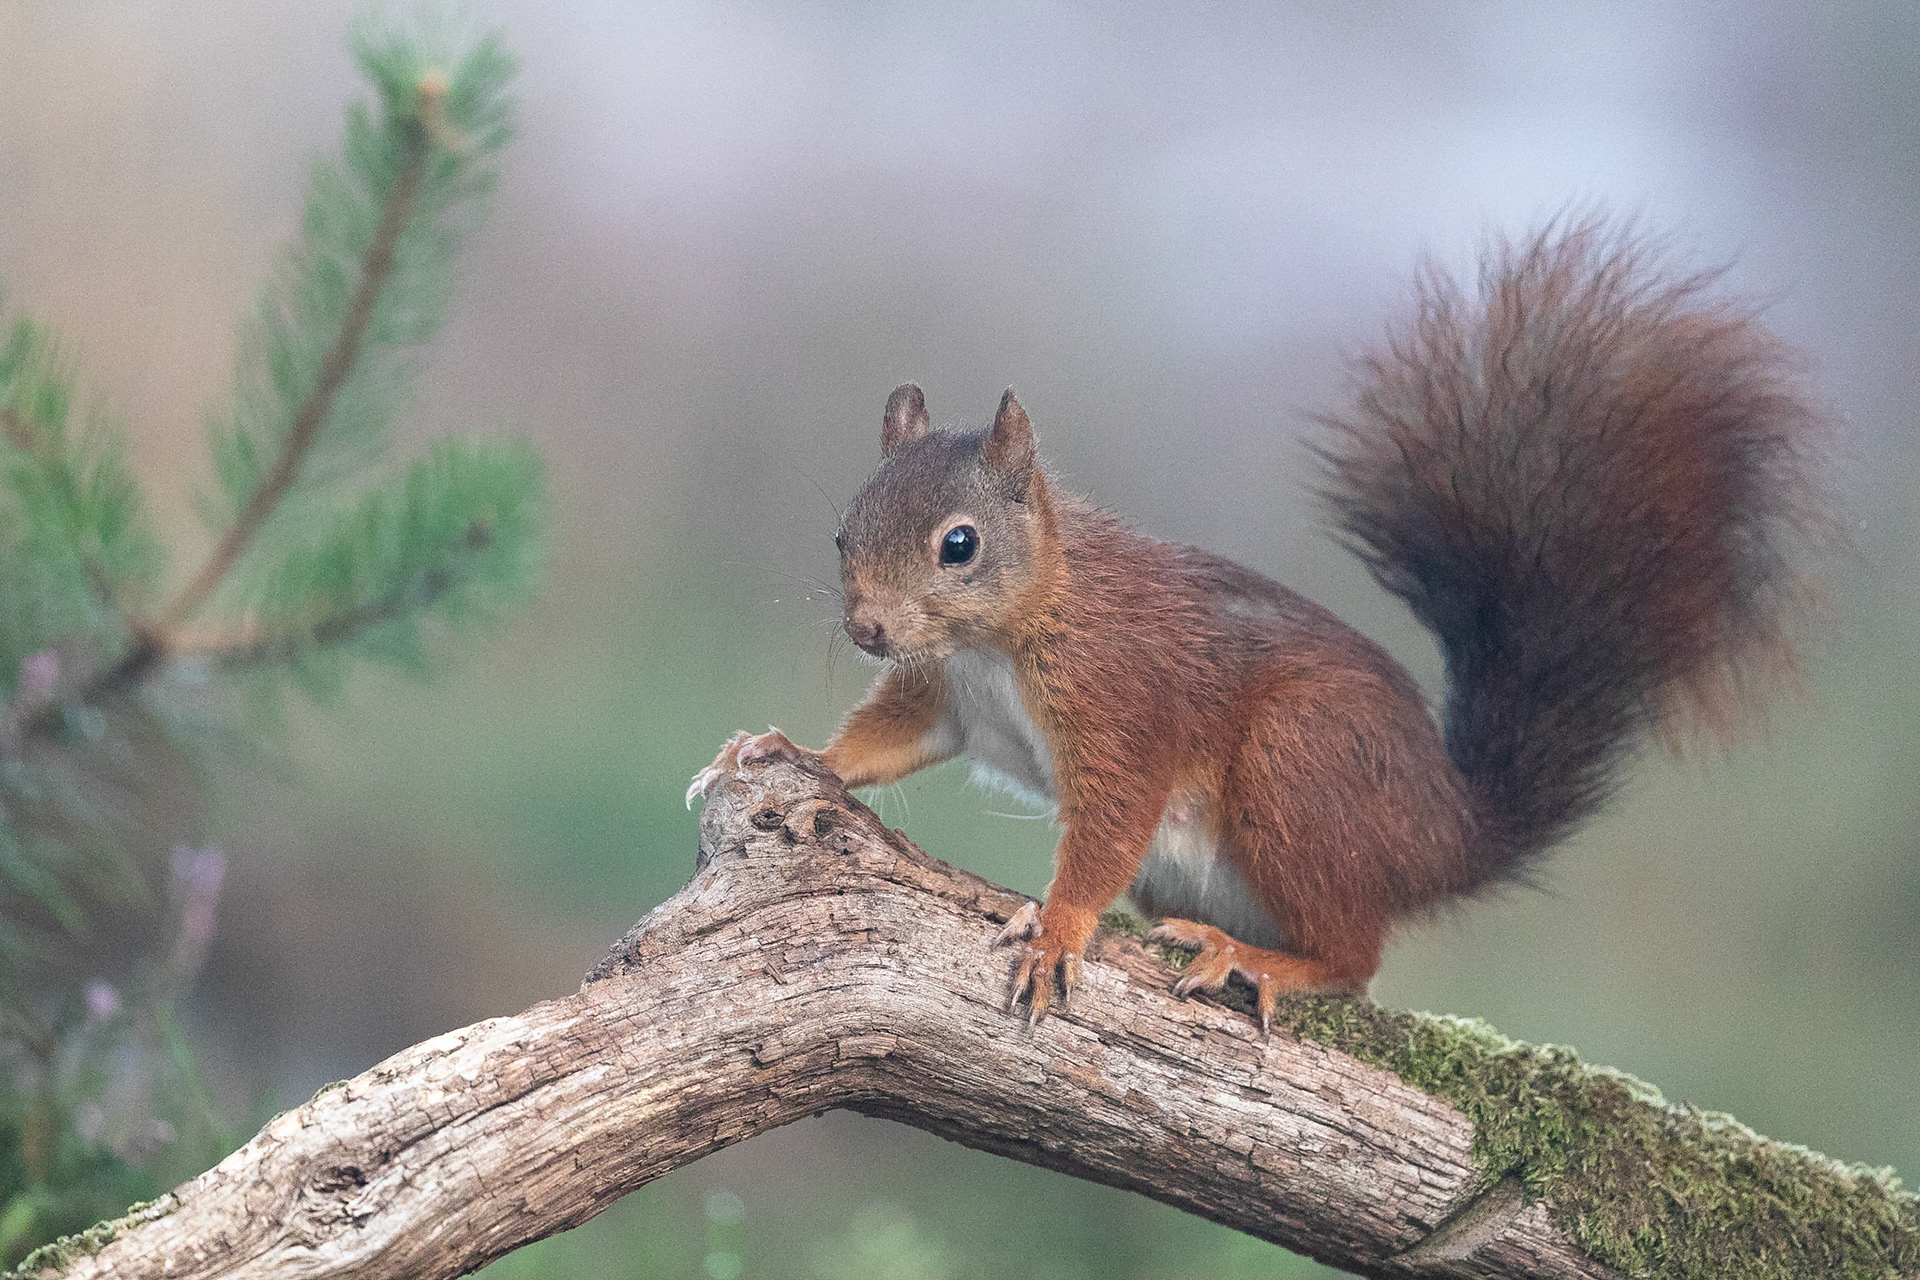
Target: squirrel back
point(1591, 482)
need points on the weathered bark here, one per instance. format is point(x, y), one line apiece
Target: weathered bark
point(817, 960)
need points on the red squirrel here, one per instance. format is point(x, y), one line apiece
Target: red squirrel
point(1590, 479)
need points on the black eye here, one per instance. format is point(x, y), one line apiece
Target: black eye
point(839, 541)
point(959, 544)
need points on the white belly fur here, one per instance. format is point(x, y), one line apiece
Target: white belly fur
point(1183, 874)
point(987, 722)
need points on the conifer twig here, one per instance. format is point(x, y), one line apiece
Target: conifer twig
point(86, 763)
point(376, 267)
point(20, 433)
point(245, 650)
point(153, 639)
point(422, 132)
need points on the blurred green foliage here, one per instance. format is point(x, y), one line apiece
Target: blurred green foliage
point(73, 532)
point(108, 891)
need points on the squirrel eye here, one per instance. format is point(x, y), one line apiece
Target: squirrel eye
point(839, 541)
point(959, 545)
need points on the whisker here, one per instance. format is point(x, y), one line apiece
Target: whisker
point(835, 639)
point(810, 582)
point(839, 515)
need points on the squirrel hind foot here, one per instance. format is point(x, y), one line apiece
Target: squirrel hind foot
point(1271, 974)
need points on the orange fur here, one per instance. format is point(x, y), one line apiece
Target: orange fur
point(885, 738)
point(1587, 484)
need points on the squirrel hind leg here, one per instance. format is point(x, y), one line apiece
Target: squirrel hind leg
point(1271, 974)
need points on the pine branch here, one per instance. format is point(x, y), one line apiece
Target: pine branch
point(75, 552)
point(318, 566)
point(415, 169)
point(248, 652)
point(153, 640)
point(18, 432)
point(327, 356)
point(313, 412)
point(453, 538)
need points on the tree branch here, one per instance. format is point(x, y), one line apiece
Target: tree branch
point(817, 960)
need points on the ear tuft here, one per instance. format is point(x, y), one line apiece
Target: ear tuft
point(1008, 450)
point(905, 419)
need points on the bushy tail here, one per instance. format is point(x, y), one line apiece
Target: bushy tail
point(1595, 485)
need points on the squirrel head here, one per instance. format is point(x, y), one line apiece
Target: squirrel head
point(937, 548)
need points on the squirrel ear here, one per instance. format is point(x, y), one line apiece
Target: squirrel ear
point(905, 419)
point(1009, 446)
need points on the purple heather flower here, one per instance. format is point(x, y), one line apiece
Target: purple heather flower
point(39, 673)
point(197, 874)
point(103, 1000)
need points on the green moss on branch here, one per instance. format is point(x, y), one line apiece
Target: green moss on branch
point(55, 1258)
point(1646, 1186)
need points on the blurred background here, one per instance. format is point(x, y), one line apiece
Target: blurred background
point(726, 231)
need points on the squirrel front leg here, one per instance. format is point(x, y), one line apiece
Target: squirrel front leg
point(897, 730)
point(1110, 816)
point(901, 728)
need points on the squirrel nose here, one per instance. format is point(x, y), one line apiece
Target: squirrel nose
point(868, 634)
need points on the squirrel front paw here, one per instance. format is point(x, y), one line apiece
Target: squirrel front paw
point(742, 749)
point(1051, 940)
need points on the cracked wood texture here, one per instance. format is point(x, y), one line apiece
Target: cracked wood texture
point(818, 960)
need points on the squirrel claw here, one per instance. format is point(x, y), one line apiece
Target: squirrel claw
point(1024, 925)
point(1220, 958)
point(1050, 941)
point(1022, 983)
point(1033, 978)
point(702, 783)
point(743, 748)
point(771, 747)
point(722, 765)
